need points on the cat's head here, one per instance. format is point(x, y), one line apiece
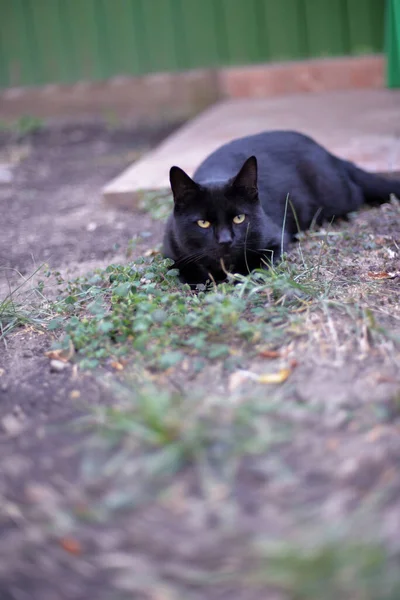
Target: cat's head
point(218, 220)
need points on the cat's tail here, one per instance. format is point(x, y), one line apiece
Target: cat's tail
point(376, 188)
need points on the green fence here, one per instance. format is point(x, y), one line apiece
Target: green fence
point(63, 41)
point(393, 43)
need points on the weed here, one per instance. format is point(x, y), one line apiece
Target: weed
point(23, 126)
point(333, 567)
point(157, 204)
point(150, 434)
point(22, 306)
point(141, 308)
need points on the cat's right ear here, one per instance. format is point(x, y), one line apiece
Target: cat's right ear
point(182, 186)
point(247, 177)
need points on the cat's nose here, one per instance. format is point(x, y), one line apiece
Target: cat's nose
point(225, 238)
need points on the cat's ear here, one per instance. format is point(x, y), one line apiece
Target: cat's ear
point(247, 177)
point(182, 186)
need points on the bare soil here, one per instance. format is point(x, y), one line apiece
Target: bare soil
point(342, 401)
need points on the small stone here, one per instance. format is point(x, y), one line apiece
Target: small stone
point(41, 494)
point(91, 226)
point(13, 511)
point(15, 466)
point(76, 136)
point(56, 366)
point(12, 425)
point(338, 419)
point(18, 412)
point(6, 175)
point(27, 354)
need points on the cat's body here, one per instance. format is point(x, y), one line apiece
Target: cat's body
point(231, 217)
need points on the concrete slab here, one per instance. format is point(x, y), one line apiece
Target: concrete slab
point(360, 125)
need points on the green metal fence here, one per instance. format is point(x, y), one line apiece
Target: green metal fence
point(393, 43)
point(63, 41)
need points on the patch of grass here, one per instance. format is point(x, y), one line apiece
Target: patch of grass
point(331, 568)
point(342, 567)
point(22, 306)
point(150, 434)
point(142, 309)
point(337, 565)
point(158, 204)
point(23, 126)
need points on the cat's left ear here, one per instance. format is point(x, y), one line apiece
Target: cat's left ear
point(182, 186)
point(247, 177)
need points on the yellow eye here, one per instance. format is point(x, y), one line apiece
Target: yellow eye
point(239, 219)
point(203, 224)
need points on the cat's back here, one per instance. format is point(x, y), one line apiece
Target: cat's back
point(269, 147)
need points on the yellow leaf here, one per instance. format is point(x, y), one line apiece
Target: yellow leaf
point(279, 377)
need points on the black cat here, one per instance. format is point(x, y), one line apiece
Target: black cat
point(231, 218)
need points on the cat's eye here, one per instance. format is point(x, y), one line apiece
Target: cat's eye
point(203, 224)
point(239, 219)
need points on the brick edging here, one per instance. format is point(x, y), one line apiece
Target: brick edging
point(316, 75)
point(173, 96)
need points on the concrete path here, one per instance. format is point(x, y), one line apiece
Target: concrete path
point(361, 125)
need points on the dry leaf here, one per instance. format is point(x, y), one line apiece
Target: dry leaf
point(175, 499)
point(375, 433)
point(383, 275)
point(389, 474)
point(63, 354)
point(151, 252)
point(117, 366)
point(279, 377)
point(270, 353)
point(234, 352)
point(162, 592)
point(55, 355)
point(239, 377)
point(385, 379)
point(32, 329)
point(71, 545)
point(332, 444)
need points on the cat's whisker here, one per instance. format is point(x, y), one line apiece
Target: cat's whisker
point(223, 267)
point(191, 259)
point(251, 250)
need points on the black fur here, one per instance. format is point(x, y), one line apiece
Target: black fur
point(290, 165)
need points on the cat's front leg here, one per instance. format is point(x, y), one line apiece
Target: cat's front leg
point(194, 276)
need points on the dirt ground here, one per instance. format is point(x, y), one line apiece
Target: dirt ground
point(338, 468)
